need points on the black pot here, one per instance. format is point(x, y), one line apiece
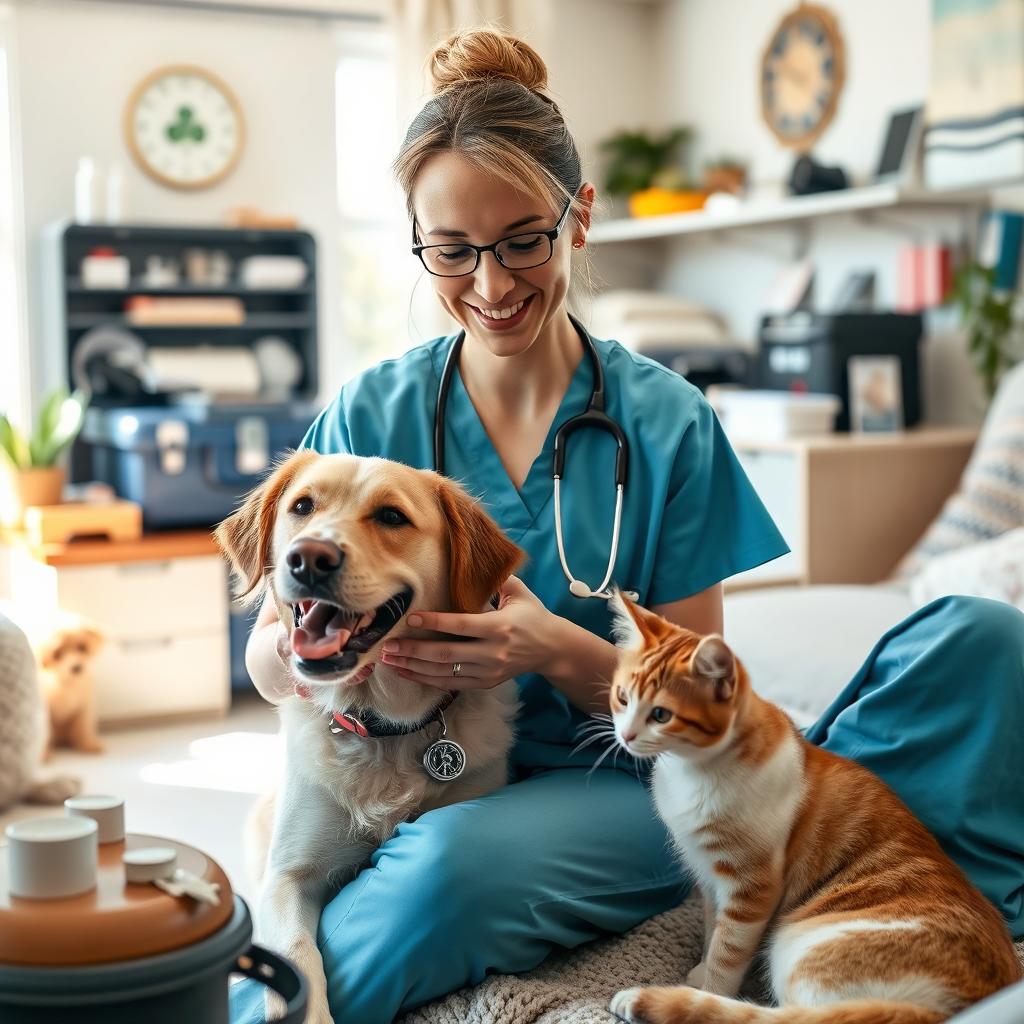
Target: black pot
point(184, 986)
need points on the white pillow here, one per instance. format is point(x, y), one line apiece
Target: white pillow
point(990, 568)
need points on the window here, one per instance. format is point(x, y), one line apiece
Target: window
point(13, 384)
point(377, 272)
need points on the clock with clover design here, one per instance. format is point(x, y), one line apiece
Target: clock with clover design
point(802, 73)
point(184, 127)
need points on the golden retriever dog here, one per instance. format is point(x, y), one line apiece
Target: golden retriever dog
point(348, 546)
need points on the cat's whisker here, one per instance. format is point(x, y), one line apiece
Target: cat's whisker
point(594, 734)
point(597, 764)
point(588, 726)
point(589, 740)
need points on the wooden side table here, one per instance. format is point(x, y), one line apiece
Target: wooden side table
point(851, 505)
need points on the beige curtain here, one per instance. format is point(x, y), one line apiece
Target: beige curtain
point(420, 24)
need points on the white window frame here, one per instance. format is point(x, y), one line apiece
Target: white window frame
point(15, 380)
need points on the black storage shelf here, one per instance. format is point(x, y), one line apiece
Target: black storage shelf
point(75, 287)
point(72, 309)
point(255, 322)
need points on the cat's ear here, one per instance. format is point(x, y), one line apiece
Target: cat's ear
point(714, 661)
point(635, 627)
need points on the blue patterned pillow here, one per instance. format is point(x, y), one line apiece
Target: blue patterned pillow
point(990, 499)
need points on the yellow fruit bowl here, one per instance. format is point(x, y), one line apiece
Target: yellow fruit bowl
point(655, 202)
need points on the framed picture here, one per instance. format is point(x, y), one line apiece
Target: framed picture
point(898, 157)
point(876, 394)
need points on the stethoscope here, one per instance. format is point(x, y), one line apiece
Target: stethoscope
point(593, 416)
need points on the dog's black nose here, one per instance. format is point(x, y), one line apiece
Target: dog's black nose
point(313, 561)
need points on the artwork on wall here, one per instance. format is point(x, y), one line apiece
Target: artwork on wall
point(975, 109)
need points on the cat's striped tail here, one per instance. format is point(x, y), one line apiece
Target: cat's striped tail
point(684, 1005)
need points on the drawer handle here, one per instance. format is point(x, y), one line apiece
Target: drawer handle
point(136, 568)
point(160, 641)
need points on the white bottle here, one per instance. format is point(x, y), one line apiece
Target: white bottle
point(115, 195)
point(85, 191)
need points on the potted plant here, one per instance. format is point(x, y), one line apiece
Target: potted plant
point(30, 461)
point(725, 174)
point(989, 318)
point(646, 168)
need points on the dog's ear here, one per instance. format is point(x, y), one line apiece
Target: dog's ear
point(48, 651)
point(92, 638)
point(480, 556)
point(246, 534)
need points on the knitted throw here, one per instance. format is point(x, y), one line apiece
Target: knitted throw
point(575, 986)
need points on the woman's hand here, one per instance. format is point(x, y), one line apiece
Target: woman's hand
point(501, 644)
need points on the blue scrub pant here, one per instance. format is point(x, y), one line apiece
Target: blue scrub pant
point(493, 885)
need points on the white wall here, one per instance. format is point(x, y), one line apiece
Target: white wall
point(707, 55)
point(78, 61)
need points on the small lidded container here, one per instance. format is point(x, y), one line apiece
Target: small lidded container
point(92, 928)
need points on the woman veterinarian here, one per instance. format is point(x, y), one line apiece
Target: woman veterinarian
point(500, 213)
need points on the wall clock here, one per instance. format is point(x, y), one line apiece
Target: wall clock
point(802, 74)
point(184, 127)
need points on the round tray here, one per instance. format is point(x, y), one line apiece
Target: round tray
point(116, 920)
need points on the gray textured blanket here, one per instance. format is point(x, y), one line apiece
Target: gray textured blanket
point(574, 986)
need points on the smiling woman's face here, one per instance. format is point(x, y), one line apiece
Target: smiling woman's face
point(457, 202)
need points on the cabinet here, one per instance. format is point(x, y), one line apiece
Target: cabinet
point(162, 604)
point(73, 308)
point(851, 505)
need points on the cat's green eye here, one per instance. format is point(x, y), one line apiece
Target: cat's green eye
point(620, 695)
point(661, 715)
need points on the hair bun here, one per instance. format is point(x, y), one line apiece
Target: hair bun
point(485, 53)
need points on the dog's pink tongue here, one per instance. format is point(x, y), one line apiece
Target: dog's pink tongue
point(308, 645)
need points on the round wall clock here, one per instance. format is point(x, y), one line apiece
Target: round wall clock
point(184, 127)
point(802, 73)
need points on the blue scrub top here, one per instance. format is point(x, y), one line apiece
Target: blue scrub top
point(690, 517)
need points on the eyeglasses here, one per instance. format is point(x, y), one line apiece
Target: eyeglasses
point(514, 252)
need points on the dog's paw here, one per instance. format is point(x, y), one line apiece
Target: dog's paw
point(623, 1005)
point(696, 976)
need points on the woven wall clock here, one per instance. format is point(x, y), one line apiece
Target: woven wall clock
point(802, 73)
point(184, 127)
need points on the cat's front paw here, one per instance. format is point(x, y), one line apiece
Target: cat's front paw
point(623, 1004)
point(696, 976)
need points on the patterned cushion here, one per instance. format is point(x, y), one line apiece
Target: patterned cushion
point(990, 499)
point(993, 569)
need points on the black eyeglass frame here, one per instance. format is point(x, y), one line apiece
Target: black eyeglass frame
point(551, 234)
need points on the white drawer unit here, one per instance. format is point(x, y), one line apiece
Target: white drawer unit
point(776, 476)
point(129, 599)
point(165, 620)
point(174, 674)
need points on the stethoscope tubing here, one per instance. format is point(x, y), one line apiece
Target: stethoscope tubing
point(594, 416)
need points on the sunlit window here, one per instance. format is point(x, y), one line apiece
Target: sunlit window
point(377, 272)
point(11, 354)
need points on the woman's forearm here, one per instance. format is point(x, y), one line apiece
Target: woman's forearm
point(268, 672)
point(581, 665)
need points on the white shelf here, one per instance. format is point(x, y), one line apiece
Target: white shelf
point(791, 208)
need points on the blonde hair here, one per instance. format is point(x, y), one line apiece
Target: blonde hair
point(489, 106)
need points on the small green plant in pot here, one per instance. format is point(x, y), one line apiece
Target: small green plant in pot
point(647, 168)
point(988, 316)
point(32, 474)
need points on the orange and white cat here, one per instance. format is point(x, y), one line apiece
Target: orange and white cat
point(865, 920)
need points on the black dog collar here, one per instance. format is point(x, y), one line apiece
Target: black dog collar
point(373, 726)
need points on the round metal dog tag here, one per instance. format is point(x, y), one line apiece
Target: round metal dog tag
point(444, 760)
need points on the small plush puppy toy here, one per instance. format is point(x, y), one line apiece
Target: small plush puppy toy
point(65, 676)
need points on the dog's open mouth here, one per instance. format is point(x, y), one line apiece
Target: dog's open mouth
point(328, 639)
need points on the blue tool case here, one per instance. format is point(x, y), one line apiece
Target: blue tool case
point(189, 465)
